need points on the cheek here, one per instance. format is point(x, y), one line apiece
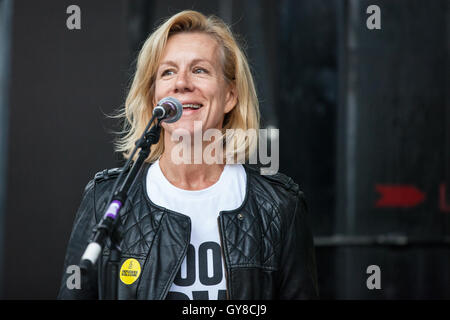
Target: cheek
point(217, 94)
point(161, 90)
point(221, 100)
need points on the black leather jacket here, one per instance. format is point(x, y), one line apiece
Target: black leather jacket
point(267, 246)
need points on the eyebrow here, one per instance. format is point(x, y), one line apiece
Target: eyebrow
point(172, 63)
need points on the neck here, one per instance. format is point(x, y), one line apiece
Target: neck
point(190, 171)
point(189, 176)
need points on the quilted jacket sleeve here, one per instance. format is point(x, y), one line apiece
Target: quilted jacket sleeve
point(298, 277)
point(86, 287)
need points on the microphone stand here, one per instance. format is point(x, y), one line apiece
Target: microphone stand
point(107, 227)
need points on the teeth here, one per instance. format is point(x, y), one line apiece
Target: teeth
point(193, 106)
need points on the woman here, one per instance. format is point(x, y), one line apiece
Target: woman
point(198, 229)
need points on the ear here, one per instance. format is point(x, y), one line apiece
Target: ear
point(231, 98)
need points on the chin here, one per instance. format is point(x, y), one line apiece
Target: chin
point(181, 129)
point(193, 128)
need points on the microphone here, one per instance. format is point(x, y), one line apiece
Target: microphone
point(168, 109)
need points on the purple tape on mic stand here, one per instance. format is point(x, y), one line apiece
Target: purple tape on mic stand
point(113, 209)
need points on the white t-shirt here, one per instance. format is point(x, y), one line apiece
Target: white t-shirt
point(202, 273)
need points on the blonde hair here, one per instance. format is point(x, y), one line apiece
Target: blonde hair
point(139, 102)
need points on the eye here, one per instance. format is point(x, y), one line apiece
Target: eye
point(167, 72)
point(200, 70)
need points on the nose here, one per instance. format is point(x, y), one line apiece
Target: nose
point(183, 82)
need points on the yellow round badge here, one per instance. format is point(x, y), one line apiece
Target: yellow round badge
point(130, 271)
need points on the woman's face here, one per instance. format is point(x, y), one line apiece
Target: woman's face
point(191, 71)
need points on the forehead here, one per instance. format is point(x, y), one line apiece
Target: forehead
point(190, 46)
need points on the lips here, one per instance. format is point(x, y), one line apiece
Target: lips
point(192, 106)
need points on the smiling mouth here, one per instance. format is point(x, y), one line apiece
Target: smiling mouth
point(190, 106)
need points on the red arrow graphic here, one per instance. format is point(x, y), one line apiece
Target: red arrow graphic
point(405, 196)
point(442, 204)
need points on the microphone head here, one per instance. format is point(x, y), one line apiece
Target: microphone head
point(175, 109)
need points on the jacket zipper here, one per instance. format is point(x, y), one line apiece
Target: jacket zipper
point(223, 258)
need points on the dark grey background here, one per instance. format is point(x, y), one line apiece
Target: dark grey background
point(355, 108)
